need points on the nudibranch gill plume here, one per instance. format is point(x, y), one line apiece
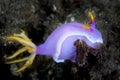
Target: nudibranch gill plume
point(59, 44)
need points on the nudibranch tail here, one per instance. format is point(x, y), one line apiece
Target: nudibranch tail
point(28, 46)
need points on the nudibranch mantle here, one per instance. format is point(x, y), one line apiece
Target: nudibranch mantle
point(60, 43)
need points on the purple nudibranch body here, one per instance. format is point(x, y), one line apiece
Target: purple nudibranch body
point(60, 43)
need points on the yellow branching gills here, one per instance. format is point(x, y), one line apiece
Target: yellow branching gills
point(28, 46)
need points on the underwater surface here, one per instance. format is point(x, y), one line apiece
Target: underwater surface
point(39, 18)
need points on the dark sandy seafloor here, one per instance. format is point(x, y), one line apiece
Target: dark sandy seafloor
point(38, 18)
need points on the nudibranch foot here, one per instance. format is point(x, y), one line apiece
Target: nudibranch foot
point(28, 46)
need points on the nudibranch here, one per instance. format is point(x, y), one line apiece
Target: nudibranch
point(59, 44)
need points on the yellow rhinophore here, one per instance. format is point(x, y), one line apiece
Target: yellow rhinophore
point(28, 46)
point(91, 15)
point(92, 19)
